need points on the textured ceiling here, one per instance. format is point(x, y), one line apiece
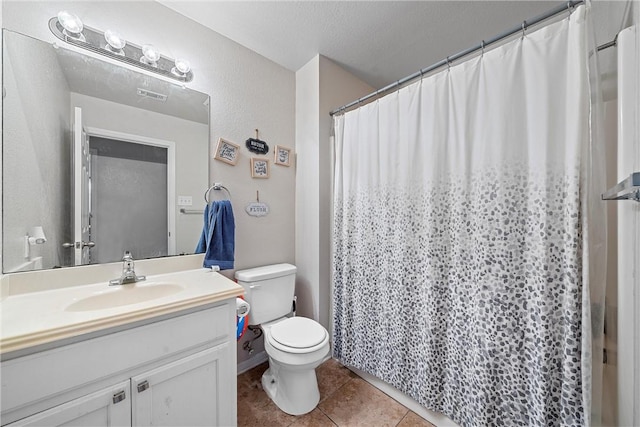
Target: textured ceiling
point(378, 41)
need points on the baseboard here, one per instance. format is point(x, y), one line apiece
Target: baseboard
point(434, 418)
point(254, 361)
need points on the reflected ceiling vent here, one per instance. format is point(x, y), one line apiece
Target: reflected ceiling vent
point(153, 95)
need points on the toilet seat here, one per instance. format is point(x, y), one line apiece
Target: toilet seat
point(298, 335)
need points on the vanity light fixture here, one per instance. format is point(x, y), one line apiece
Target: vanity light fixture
point(70, 29)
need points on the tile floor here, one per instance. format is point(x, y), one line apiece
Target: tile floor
point(345, 400)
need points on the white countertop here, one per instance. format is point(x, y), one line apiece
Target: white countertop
point(34, 318)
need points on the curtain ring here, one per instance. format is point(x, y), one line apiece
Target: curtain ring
point(448, 64)
point(482, 47)
point(524, 27)
point(570, 8)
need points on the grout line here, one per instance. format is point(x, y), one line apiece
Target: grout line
point(404, 416)
point(326, 398)
point(327, 415)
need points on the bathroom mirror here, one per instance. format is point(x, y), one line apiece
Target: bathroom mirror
point(97, 159)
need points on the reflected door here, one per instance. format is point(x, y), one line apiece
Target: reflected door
point(81, 191)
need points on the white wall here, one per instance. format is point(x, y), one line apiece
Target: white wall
point(247, 92)
point(307, 189)
point(321, 86)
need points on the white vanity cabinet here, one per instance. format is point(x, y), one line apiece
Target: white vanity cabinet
point(177, 371)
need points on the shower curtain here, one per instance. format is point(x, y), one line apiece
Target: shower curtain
point(461, 234)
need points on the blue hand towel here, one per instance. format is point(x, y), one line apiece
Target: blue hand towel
point(217, 241)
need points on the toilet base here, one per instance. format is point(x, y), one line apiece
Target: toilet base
point(295, 393)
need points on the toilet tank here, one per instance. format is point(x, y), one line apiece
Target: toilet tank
point(269, 291)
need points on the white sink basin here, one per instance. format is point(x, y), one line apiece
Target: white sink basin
point(117, 296)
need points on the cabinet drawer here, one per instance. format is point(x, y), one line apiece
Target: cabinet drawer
point(37, 377)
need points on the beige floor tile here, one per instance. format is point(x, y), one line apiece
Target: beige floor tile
point(345, 401)
point(265, 416)
point(315, 418)
point(357, 403)
point(250, 392)
point(414, 420)
point(331, 376)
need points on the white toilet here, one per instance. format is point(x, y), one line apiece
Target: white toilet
point(295, 345)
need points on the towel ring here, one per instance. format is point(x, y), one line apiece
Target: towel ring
point(215, 186)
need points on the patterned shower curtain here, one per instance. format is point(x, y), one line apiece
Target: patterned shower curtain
point(459, 234)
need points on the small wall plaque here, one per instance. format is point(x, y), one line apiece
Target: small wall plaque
point(257, 209)
point(256, 145)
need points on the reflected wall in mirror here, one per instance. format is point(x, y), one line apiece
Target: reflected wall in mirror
point(96, 155)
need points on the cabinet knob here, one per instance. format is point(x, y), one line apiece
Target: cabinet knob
point(143, 386)
point(119, 397)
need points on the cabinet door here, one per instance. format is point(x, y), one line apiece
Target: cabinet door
point(198, 390)
point(107, 407)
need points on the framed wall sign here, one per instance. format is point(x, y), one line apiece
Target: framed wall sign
point(227, 152)
point(282, 156)
point(259, 168)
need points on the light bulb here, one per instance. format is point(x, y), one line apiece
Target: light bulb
point(71, 23)
point(151, 55)
point(182, 67)
point(115, 42)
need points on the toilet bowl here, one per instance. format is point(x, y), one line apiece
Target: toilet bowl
point(295, 346)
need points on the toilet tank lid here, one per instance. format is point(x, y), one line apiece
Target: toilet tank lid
point(264, 273)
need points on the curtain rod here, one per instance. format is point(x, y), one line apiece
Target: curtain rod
point(525, 24)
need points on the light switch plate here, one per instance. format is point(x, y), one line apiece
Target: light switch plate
point(185, 200)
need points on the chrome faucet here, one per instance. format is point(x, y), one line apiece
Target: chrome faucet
point(128, 272)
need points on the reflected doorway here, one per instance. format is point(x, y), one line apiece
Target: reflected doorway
point(131, 196)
